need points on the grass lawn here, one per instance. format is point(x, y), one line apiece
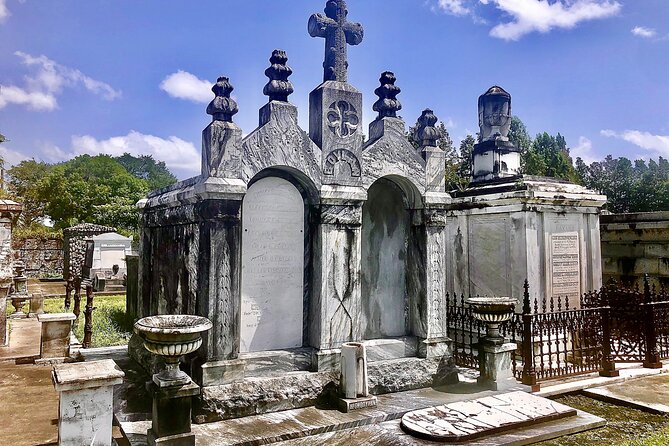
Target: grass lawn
point(111, 324)
point(625, 427)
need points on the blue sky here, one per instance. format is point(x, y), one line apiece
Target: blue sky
point(112, 76)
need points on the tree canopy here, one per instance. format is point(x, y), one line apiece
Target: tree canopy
point(95, 189)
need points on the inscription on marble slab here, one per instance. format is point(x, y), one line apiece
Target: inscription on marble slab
point(565, 264)
point(468, 420)
point(272, 266)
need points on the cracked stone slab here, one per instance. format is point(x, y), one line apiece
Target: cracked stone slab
point(467, 420)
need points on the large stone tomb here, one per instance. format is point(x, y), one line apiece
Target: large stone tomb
point(294, 243)
point(507, 227)
point(272, 266)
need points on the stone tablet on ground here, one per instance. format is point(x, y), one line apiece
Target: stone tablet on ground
point(468, 420)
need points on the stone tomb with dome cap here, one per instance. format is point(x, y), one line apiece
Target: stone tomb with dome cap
point(507, 227)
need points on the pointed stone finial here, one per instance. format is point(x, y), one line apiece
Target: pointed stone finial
point(426, 133)
point(223, 107)
point(279, 87)
point(387, 105)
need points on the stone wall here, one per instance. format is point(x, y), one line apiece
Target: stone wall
point(634, 245)
point(43, 258)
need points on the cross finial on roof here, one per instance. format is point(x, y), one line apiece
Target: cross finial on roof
point(338, 33)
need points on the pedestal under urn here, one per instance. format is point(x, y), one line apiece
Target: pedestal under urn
point(172, 336)
point(495, 352)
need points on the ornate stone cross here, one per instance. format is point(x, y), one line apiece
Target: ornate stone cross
point(337, 33)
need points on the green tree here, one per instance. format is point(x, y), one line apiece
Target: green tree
point(518, 134)
point(465, 160)
point(23, 186)
point(156, 174)
point(549, 156)
point(92, 189)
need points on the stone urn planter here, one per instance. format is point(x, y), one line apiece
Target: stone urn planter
point(492, 311)
point(172, 336)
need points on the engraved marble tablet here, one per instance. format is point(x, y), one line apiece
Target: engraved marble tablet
point(272, 266)
point(565, 264)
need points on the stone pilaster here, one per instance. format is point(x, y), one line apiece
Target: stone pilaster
point(221, 150)
point(335, 310)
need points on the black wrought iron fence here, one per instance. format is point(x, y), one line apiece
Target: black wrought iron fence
point(557, 338)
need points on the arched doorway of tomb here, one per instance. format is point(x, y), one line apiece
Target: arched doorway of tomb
point(390, 244)
point(276, 260)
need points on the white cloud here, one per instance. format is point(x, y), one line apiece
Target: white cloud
point(455, 7)
point(11, 157)
point(4, 12)
point(184, 85)
point(34, 100)
point(179, 155)
point(540, 15)
point(584, 151)
point(47, 81)
point(646, 140)
point(646, 33)
point(529, 16)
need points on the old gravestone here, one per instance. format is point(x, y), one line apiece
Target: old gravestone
point(272, 266)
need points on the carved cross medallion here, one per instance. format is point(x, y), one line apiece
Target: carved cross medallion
point(338, 33)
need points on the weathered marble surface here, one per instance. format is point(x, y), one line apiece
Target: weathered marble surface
point(221, 150)
point(496, 365)
point(388, 152)
point(261, 395)
point(335, 125)
point(272, 253)
point(86, 390)
point(55, 339)
point(410, 373)
point(279, 141)
point(385, 238)
point(499, 235)
point(468, 420)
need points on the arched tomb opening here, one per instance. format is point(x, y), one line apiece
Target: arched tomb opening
point(390, 293)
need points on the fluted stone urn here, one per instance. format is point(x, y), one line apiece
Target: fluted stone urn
point(493, 311)
point(172, 336)
point(495, 352)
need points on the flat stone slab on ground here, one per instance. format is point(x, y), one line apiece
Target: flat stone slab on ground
point(650, 394)
point(24, 341)
point(467, 420)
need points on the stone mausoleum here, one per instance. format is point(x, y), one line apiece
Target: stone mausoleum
point(293, 242)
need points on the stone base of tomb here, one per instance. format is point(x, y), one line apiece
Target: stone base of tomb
point(294, 389)
point(350, 404)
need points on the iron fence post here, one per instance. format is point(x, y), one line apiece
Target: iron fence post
point(529, 376)
point(77, 296)
point(608, 366)
point(88, 314)
point(652, 356)
point(68, 290)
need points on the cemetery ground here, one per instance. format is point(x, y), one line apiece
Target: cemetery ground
point(34, 402)
point(111, 324)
